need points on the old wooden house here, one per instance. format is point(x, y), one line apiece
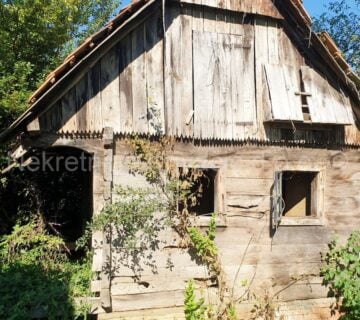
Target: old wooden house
point(269, 109)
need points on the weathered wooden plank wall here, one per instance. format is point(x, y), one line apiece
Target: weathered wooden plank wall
point(246, 248)
point(191, 89)
point(260, 7)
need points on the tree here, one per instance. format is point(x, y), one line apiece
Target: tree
point(343, 24)
point(35, 36)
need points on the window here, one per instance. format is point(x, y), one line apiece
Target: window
point(203, 189)
point(297, 198)
point(297, 193)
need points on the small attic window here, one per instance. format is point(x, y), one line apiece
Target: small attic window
point(203, 189)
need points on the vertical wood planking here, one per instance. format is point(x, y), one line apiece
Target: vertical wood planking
point(187, 104)
point(278, 95)
point(110, 98)
point(326, 104)
point(222, 85)
point(198, 18)
point(45, 121)
point(263, 108)
point(126, 96)
point(68, 103)
point(292, 85)
point(154, 75)
point(266, 8)
point(237, 87)
point(342, 106)
point(248, 99)
point(223, 110)
point(94, 115)
point(281, 81)
point(172, 71)
point(223, 90)
point(210, 19)
point(139, 97)
point(273, 41)
point(260, 7)
point(56, 116)
point(288, 53)
point(206, 82)
point(317, 100)
point(82, 103)
point(211, 3)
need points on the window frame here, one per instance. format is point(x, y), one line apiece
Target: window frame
point(219, 189)
point(319, 218)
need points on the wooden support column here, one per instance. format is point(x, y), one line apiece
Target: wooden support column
point(105, 297)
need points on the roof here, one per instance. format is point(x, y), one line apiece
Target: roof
point(87, 46)
point(322, 42)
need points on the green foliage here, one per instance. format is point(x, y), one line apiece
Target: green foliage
point(132, 216)
point(28, 245)
point(35, 36)
point(341, 272)
point(231, 312)
point(204, 244)
point(28, 290)
point(211, 232)
point(36, 274)
point(134, 223)
point(194, 309)
point(342, 23)
point(14, 91)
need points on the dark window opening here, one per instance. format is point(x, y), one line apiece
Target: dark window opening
point(202, 190)
point(299, 193)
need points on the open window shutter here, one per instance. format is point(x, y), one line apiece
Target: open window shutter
point(277, 200)
point(282, 82)
point(326, 104)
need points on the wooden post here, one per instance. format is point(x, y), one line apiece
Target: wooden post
point(108, 139)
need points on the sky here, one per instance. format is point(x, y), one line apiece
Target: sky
point(313, 7)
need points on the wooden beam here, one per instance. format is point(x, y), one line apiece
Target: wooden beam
point(105, 294)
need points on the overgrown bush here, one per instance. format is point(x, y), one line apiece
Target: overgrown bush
point(341, 272)
point(37, 278)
